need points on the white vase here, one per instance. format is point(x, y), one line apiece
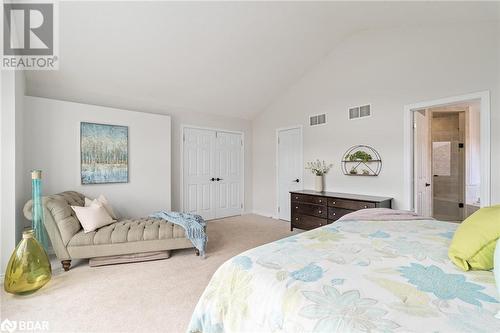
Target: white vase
point(319, 184)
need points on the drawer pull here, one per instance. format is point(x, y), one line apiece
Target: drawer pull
point(334, 214)
point(319, 212)
point(366, 206)
point(319, 200)
point(296, 198)
point(296, 219)
point(296, 207)
point(333, 202)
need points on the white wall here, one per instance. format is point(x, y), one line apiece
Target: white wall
point(52, 144)
point(20, 177)
point(389, 69)
point(11, 162)
point(181, 117)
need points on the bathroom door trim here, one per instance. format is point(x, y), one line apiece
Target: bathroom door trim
point(485, 145)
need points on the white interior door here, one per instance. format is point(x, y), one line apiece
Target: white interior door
point(198, 171)
point(290, 168)
point(228, 171)
point(422, 167)
point(212, 173)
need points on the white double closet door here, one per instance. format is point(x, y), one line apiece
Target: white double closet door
point(212, 173)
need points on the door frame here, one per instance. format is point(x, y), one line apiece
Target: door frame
point(485, 144)
point(301, 134)
point(242, 190)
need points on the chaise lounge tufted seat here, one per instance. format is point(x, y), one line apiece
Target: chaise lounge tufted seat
point(127, 236)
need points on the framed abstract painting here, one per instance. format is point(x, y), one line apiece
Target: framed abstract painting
point(103, 153)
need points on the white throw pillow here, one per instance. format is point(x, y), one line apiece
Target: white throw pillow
point(102, 199)
point(93, 217)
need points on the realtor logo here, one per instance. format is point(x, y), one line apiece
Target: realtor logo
point(38, 29)
point(29, 35)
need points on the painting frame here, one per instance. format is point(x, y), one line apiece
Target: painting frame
point(119, 172)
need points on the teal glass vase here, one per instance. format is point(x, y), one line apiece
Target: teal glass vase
point(38, 226)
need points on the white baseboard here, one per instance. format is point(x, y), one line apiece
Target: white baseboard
point(265, 214)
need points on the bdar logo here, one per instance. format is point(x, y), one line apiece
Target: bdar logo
point(8, 326)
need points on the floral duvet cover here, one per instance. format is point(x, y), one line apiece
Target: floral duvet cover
point(350, 276)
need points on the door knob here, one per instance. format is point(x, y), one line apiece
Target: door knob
point(212, 179)
point(297, 180)
point(427, 184)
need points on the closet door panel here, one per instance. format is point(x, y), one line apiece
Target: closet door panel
point(198, 169)
point(228, 155)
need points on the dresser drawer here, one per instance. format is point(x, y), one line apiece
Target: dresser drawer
point(350, 204)
point(307, 222)
point(309, 209)
point(308, 199)
point(336, 213)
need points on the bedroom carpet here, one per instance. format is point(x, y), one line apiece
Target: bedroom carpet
point(155, 296)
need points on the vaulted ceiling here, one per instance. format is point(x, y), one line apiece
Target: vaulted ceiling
point(225, 58)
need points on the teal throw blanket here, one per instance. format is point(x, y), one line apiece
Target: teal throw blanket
point(193, 224)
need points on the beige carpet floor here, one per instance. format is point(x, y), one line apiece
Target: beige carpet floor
point(156, 296)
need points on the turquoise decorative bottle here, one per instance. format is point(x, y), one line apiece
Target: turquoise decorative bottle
point(37, 221)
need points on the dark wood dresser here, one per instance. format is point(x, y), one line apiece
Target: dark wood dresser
point(312, 209)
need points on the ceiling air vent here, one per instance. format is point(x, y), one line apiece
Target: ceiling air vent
point(318, 119)
point(360, 111)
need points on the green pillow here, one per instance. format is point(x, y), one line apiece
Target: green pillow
point(473, 244)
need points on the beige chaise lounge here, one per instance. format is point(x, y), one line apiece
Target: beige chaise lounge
point(127, 236)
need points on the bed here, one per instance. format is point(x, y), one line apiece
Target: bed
point(350, 276)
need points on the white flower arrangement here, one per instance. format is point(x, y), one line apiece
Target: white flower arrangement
point(319, 168)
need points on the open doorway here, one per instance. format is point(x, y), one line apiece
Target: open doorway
point(447, 159)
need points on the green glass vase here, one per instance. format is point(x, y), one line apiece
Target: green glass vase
point(29, 267)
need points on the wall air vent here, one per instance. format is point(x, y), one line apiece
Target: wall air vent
point(318, 119)
point(360, 111)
